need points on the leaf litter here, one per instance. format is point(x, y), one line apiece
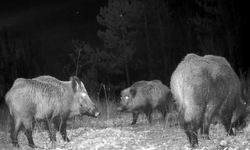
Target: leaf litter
point(142, 136)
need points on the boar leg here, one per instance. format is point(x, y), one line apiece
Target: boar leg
point(28, 132)
point(135, 117)
point(226, 116)
point(14, 132)
point(226, 121)
point(49, 125)
point(205, 130)
point(148, 114)
point(191, 133)
point(61, 126)
point(239, 124)
point(64, 132)
point(209, 113)
point(164, 113)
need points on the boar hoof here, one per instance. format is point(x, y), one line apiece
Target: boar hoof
point(133, 123)
point(204, 136)
point(194, 145)
point(67, 139)
point(16, 144)
point(33, 146)
point(231, 133)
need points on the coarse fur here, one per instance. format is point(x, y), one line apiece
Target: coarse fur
point(145, 96)
point(49, 99)
point(205, 87)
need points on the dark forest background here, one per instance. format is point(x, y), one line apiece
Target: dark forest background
point(117, 42)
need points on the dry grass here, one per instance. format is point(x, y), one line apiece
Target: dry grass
point(141, 136)
point(4, 127)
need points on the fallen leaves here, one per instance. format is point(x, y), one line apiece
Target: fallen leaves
point(119, 134)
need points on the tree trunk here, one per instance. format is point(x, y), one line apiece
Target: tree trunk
point(162, 45)
point(149, 63)
point(127, 73)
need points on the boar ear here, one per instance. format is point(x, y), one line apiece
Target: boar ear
point(133, 91)
point(82, 87)
point(76, 83)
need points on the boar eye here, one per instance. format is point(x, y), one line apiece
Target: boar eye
point(126, 97)
point(81, 105)
point(83, 94)
point(81, 100)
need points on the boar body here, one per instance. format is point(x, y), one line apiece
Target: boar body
point(145, 96)
point(49, 99)
point(205, 87)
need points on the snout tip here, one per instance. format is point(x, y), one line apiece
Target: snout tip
point(119, 109)
point(97, 114)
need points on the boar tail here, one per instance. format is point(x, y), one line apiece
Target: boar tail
point(171, 102)
point(11, 123)
point(170, 96)
point(8, 101)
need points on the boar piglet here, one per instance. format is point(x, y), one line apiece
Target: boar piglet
point(145, 96)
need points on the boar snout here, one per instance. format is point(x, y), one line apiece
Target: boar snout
point(121, 108)
point(97, 114)
point(94, 112)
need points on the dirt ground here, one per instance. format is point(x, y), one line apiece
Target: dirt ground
point(118, 134)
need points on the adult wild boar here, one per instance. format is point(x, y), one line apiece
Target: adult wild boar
point(145, 96)
point(205, 87)
point(49, 99)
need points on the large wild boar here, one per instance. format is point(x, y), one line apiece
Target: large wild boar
point(205, 87)
point(49, 99)
point(145, 96)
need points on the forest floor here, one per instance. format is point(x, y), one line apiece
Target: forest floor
point(116, 133)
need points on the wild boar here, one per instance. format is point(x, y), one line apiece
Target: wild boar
point(49, 99)
point(145, 96)
point(205, 87)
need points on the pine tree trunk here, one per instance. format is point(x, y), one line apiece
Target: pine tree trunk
point(149, 62)
point(162, 46)
point(127, 73)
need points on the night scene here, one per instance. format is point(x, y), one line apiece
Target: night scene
point(124, 74)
